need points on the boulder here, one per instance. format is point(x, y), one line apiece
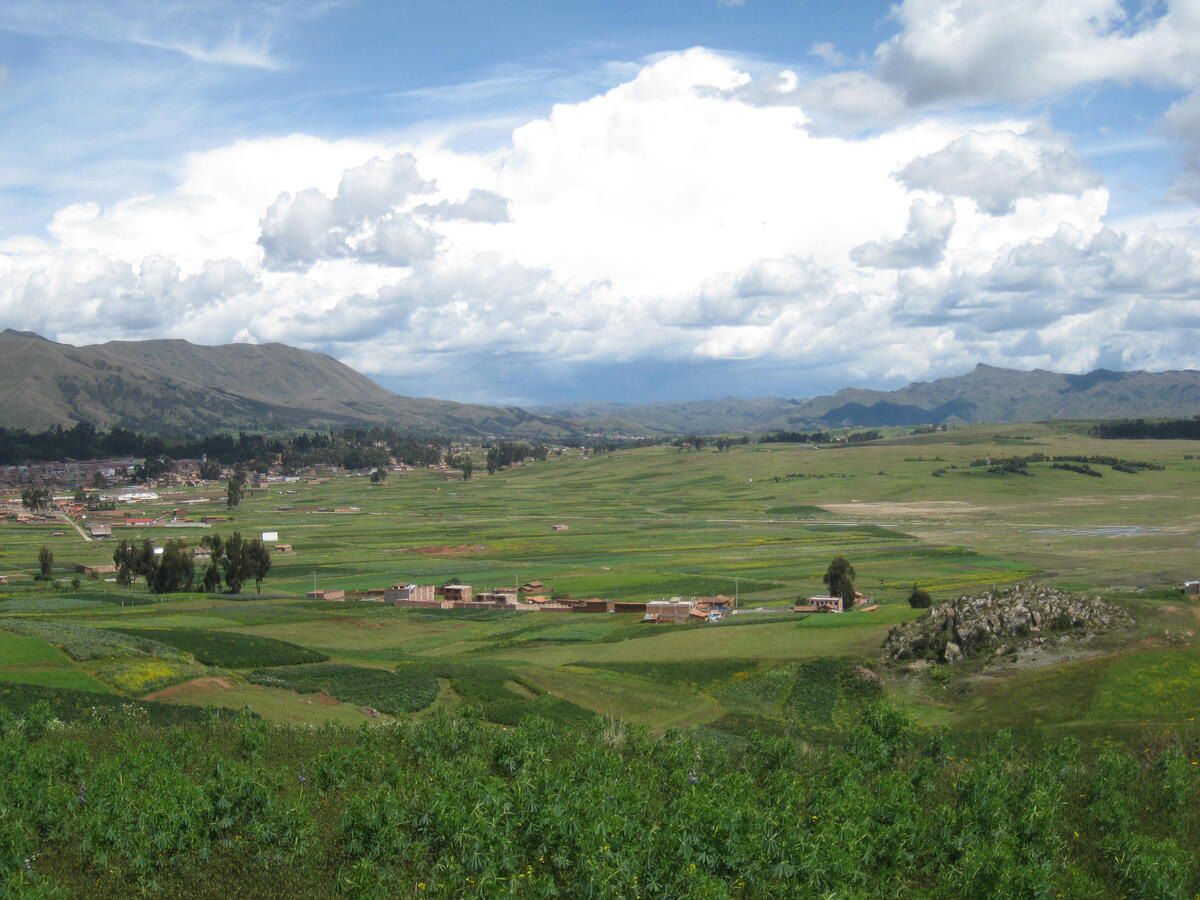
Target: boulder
point(1022, 615)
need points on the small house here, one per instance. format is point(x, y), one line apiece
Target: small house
point(457, 593)
point(398, 593)
point(100, 531)
point(674, 610)
point(283, 548)
point(561, 528)
point(823, 604)
point(1191, 588)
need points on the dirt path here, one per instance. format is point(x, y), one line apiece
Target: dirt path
point(83, 534)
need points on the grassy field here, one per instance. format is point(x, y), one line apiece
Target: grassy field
point(762, 520)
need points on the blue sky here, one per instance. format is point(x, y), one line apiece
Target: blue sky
point(565, 201)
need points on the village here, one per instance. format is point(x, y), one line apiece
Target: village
point(532, 597)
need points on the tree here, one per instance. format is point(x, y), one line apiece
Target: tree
point(98, 480)
point(173, 570)
point(379, 476)
point(210, 470)
point(145, 561)
point(467, 467)
point(236, 563)
point(153, 467)
point(36, 499)
point(216, 552)
point(919, 598)
point(45, 562)
point(839, 577)
point(236, 489)
point(260, 562)
point(214, 545)
point(212, 578)
point(123, 555)
point(80, 495)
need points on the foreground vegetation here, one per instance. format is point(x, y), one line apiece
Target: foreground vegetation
point(451, 807)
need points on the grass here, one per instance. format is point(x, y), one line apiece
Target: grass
point(229, 650)
point(273, 704)
point(698, 671)
point(29, 660)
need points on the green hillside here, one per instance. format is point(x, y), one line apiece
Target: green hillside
point(175, 387)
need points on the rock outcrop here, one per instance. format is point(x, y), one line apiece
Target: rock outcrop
point(1000, 622)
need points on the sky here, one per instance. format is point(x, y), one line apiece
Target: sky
point(545, 203)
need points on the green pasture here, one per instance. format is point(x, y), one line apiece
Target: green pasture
point(762, 520)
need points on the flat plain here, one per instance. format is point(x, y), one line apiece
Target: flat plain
point(761, 520)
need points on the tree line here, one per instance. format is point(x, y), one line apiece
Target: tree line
point(232, 563)
point(505, 453)
point(1140, 429)
point(352, 448)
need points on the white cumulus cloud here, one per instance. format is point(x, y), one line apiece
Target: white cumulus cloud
point(697, 214)
point(998, 168)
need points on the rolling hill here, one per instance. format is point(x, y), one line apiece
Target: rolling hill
point(175, 387)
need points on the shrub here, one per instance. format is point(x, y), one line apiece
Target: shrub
point(919, 598)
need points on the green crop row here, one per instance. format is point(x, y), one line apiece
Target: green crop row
point(407, 690)
point(84, 643)
point(453, 807)
point(230, 650)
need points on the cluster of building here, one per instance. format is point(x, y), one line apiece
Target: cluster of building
point(530, 597)
point(69, 471)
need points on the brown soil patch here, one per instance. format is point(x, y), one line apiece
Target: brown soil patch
point(208, 683)
point(447, 550)
point(322, 699)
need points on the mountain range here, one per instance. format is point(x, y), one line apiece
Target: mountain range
point(175, 387)
point(985, 394)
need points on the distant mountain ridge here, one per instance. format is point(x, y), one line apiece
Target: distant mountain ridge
point(985, 394)
point(176, 387)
